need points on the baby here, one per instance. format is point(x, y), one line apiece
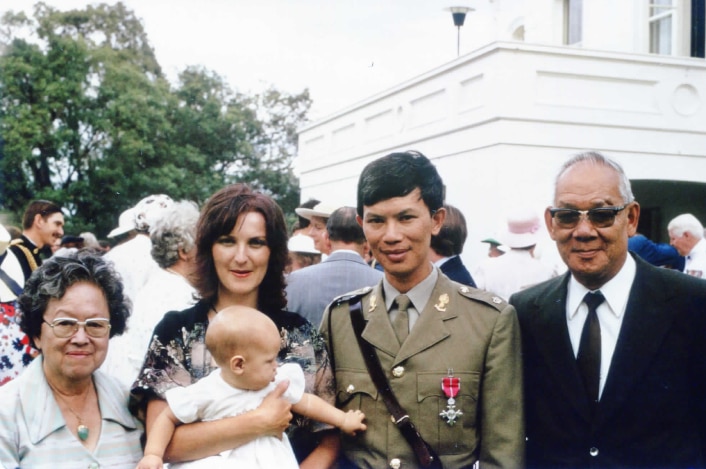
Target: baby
point(244, 343)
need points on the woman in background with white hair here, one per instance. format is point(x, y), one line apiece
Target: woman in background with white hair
point(167, 288)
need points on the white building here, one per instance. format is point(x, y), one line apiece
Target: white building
point(546, 79)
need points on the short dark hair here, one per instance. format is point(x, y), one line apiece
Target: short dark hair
point(57, 274)
point(452, 236)
point(342, 226)
point(38, 207)
point(218, 218)
point(397, 175)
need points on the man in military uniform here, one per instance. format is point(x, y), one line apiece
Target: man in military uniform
point(451, 353)
point(42, 226)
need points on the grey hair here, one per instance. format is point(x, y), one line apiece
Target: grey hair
point(175, 230)
point(686, 222)
point(596, 158)
point(57, 274)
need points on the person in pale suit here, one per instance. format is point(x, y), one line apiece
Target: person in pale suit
point(311, 289)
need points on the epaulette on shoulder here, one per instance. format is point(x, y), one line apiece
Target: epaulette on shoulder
point(476, 294)
point(351, 297)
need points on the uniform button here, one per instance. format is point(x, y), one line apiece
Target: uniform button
point(593, 451)
point(398, 371)
point(350, 388)
point(395, 463)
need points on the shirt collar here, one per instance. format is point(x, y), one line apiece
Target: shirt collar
point(42, 413)
point(616, 291)
point(441, 261)
point(418, 295)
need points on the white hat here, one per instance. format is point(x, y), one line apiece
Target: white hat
point(149, 209)
point(522, 230)
point(126, 223)
point(302, 243)
point(322, 210)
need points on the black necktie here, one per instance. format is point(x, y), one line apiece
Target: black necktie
point(589, 356)
point(401, 322)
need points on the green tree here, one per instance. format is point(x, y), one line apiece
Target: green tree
point(88, 120)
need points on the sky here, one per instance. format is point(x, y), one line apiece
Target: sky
point(343, 51)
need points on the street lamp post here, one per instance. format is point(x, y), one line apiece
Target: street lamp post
point(459, 16)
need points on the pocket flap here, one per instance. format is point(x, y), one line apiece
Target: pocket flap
point(350, 383)
point(429, 384)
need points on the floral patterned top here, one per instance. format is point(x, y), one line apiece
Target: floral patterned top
point(177, 356)
point(16, 352)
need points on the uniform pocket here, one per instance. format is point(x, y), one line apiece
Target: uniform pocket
point(356, 391)
point(461, 437)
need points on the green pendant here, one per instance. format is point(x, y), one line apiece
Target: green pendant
point(82, 432)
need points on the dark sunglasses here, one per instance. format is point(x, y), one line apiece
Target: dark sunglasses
point(601, 217)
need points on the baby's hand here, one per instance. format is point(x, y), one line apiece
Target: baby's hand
point(150, 461)
point(353, 422)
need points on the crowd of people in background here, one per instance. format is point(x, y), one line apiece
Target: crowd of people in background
point(220, 332)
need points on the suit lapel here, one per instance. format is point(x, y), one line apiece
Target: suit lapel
point(551, 337)
point(646, 323)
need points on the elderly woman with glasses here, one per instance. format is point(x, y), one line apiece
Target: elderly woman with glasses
point(61, 412)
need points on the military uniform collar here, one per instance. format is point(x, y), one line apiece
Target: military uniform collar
point(419, 294)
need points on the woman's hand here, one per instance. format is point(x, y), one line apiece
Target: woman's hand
point(275, 412)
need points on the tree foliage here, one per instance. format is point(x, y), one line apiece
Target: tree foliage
point(89, 121)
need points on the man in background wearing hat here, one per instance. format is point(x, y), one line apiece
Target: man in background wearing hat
point(517, 269)
point(495, 247)
point(318, 216)
point(133, 259)
point(302, 252)
point(42, 226)
point(311, 289)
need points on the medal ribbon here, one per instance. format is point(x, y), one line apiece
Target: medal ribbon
point(451, 386)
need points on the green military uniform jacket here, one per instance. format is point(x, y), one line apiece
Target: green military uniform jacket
point(472, 332)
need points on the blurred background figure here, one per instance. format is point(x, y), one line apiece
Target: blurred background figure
point(16, 351)
point(495, 247)
point(61, 404)
point(448, 245)
point(302, 224)
point(318, 216)
point(686, 234)
point(42, 227)
point(90, 241)
point(69, 244)
point(302, 252)
point(517, 269)
point(168, 288)
point(659, 254)
point(126, 229)
point(132, 259)
point(311, 289)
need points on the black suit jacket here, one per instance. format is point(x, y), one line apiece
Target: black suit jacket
point(652, 411)
point(456, 271)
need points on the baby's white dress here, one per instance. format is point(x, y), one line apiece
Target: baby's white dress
point(211, 398)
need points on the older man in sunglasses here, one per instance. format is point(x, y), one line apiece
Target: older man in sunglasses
point(614, 351)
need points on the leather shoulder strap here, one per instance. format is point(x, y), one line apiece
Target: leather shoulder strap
point(425, 454)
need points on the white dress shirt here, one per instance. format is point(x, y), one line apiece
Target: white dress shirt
point(610, 313)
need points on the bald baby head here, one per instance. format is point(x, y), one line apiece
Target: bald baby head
point(238, 330)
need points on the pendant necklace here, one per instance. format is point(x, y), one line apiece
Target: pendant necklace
point(82, 430)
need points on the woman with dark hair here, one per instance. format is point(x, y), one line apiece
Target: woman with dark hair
point(241, 246)
point(61, 404)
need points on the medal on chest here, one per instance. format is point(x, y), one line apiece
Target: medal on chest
point(451, 385)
